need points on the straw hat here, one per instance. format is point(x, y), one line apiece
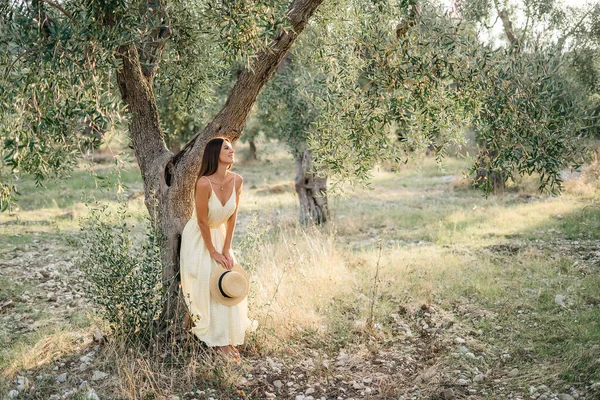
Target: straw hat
point(229, 287)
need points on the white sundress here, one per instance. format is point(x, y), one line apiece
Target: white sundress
point(215, 323)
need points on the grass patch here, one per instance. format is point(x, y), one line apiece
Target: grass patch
point(82, 185)
point(10, 289)
point(8, 243)
point(42, 348)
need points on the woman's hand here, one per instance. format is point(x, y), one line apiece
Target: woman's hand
point(227, 254)
point(221, 259)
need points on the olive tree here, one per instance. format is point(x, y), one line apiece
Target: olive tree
point(285, 110)
point(428, 73)
point(102, 60)
point(541, 53)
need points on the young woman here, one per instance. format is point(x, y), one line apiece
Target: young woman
point(206, 249)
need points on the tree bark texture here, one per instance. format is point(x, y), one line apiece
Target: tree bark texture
point(311, 190)
point(169, 180)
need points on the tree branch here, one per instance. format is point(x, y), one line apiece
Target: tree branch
point(23, 54)
point(563, 38)
point(508, 29)
point(492, 25)
point(139, 63)
point(231, 118)
point(524, 35)
point(144, 124)
point(184, 166)
point(61, 9)
point(152, 46)
point(413, 16)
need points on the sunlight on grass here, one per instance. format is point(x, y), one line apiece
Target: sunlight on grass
point(502, 219)
point(46, 348)
point(289, 264)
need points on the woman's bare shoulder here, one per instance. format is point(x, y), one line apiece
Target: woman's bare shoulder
point(203, 184)
point(238, 179)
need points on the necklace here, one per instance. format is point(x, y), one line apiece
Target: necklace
point(222, 184)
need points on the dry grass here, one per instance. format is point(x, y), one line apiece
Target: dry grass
point(47, 349)
point(296, 277)
point(167, 368)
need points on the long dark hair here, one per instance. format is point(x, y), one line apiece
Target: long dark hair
point(210, 158)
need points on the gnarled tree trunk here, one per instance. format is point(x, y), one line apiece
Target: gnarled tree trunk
point(311, 190)
point(169, 179)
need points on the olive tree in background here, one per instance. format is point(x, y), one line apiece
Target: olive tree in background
point(428, 73)
point(286, 110)
point(425, 81)
point(536, 74)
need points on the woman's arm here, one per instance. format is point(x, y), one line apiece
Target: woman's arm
point(203, 193)
point(232, 220)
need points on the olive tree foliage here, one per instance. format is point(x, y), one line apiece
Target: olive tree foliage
point(365, 73)
point(400, 68)
point(423, 71)
point(40, 115)
point(286, 108)
point(361, 71)
point(550, 27)
point(583, 66)
point(204, 60)
point(344, 102)
point(59, 63)
point(541, 61)
point(379, 68)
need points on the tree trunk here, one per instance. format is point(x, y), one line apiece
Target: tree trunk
point(168, 179)
point(252, 147)
point(486, 176)
point(513, 40)
point(312, 191)
point(153, 157)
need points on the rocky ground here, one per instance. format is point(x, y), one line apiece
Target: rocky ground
point(424, 352)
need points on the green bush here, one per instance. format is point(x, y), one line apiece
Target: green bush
point(122, 271)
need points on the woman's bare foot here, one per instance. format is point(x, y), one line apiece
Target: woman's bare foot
point(229, 353)
point(225, 350)
point(236, 353)
point(187, 321)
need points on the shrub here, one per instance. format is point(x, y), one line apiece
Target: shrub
point(122, 271)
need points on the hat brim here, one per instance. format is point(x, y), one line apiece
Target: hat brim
point(214, 286)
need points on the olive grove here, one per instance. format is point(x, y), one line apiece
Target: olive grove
point(362, 75)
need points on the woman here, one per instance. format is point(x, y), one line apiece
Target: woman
point(206, 243)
